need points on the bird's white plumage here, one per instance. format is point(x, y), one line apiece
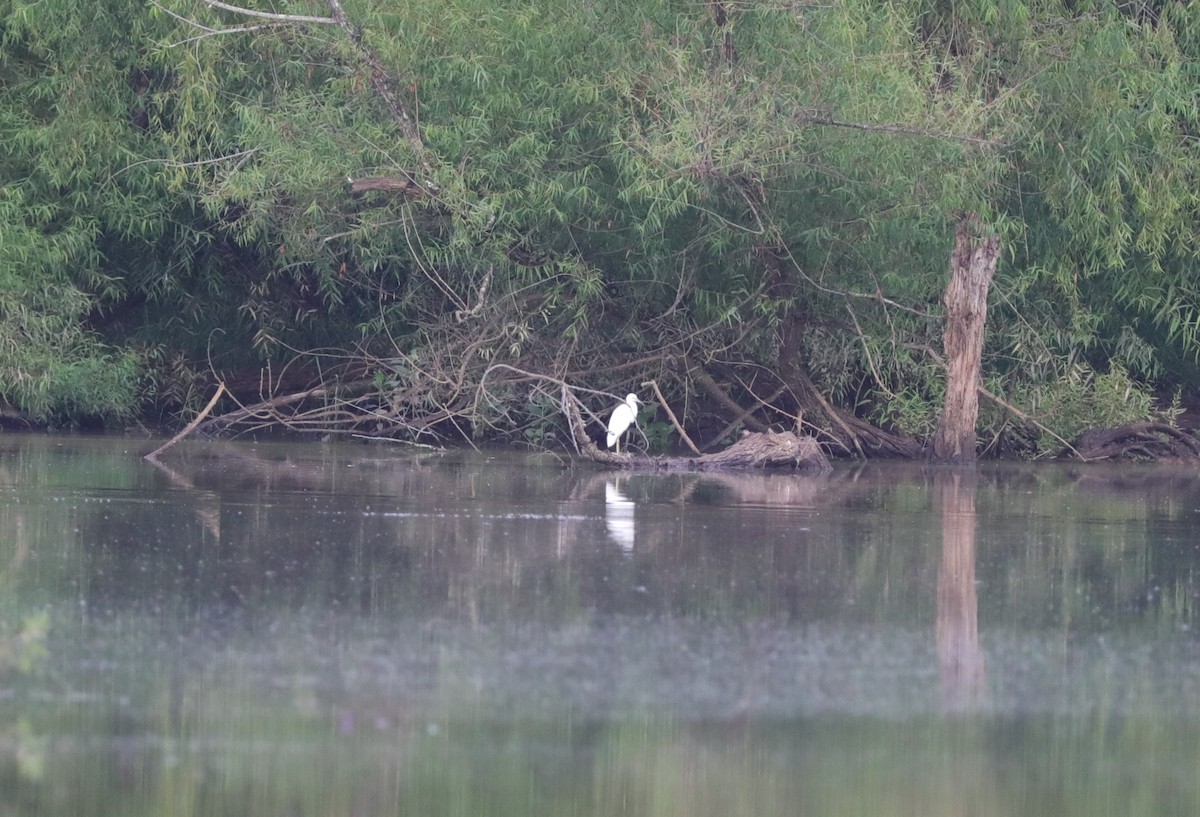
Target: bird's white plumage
point(622, 418)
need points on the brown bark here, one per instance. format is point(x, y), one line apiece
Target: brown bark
point(402, 185)
point(772, 449)
point(721, 18)
point(1145, 440)
point(972, 265)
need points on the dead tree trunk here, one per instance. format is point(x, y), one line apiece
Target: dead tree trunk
point(972, 265)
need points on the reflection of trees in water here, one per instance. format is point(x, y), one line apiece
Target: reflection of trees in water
point(387, 532)
point(1080, 545)
point(722, 544)
point(960, 660)
point(483, 540)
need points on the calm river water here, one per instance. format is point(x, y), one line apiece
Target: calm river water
point(337, 629)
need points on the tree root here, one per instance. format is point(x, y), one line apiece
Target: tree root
point(1145, 440)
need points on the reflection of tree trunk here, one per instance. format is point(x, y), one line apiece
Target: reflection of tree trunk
point(972, 265)
point(960, 660)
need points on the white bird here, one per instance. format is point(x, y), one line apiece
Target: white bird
point(623, 416)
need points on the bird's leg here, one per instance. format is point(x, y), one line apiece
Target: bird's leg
point(618, 444)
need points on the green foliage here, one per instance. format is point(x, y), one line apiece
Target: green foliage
point(24, 650)
point(545, 420)
point(1104, 177)
point(79, 213)
point(51, 367)
point(1086, 399)
point(592, 181)
point(659, 433)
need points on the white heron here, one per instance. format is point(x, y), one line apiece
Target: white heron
point(623, 416)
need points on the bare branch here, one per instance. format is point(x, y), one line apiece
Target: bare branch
point(662, 401)
point(212, 32)
point(153, 455)
point(269, 15)
point(383, 86)
point(829, 121)
point(208, 32)
point(1027, 418)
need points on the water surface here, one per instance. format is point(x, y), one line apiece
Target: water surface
point(346, 629)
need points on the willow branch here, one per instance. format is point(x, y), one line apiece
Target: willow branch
point(903, 130)
point(383, 87)
point(379, 78)
point(983, 392)
point(271, 15)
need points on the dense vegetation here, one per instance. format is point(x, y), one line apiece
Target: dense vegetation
point(416, 218)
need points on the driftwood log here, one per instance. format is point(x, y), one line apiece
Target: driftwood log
point(1151, 441)
point(396, 185)
point(767, 449)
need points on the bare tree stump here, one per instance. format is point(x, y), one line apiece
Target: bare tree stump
point(972, 265)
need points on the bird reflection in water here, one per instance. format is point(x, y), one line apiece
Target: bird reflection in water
point(618, 515)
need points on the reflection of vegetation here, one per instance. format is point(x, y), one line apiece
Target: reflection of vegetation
point(373, 633)
point(25, 649)
point(396, 537)
point(1078, 767)
point(22, 650)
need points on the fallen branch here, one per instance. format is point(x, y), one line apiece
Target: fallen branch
point(268, 15)
point(1010, 407)
point(714, 390)
point(403, 185)
point(662, 401)
point(153, 455)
